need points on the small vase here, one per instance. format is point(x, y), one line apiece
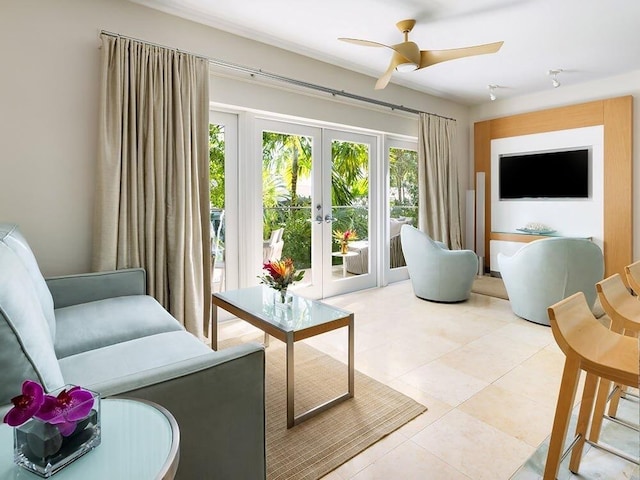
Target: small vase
point(344, 248)
point(39, 447)
point(282, 299)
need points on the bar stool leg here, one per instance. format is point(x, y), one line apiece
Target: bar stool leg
point(598, 411)
point(588, 397)
point(566, 397)
point(615, 399)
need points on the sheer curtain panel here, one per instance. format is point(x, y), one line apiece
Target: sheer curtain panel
point(152, 190)
point(439, 200)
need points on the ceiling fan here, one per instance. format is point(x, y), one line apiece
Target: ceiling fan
point(408, 57)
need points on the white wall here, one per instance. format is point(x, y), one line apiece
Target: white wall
point(49, 106)
point(567, 94)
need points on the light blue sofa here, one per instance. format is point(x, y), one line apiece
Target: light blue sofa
point(546, 271)
point(101, 331)
point(437, 273)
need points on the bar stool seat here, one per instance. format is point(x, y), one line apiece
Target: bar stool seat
point(591, 347)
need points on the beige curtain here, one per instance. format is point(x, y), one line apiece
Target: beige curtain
point(152, 191)
point(439, 199)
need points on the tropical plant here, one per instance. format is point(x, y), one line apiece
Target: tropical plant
point(288, 156)
point(403, 173)
point(349, 174)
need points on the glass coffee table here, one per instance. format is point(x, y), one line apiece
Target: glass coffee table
point(303, 319)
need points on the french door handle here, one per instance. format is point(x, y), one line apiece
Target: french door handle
point(318, 219)
point(329, 218)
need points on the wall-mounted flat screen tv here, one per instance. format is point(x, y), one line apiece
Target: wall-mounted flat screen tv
point(559, 174)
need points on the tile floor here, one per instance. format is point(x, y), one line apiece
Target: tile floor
point(488, 378)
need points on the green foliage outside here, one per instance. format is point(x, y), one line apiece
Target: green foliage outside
point(216, 165)
point(403, 179)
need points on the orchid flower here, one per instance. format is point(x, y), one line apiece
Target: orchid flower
point(26, 405)
point(66, 409)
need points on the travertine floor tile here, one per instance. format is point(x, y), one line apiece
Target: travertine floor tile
point(444, 383)
point(512, 413)
point(410, 462)
point(473, 447)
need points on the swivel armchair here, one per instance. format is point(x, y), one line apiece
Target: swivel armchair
point(437, 274)
point(546, 271)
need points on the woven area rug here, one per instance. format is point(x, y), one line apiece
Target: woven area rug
point(491, 286)
point(318, 445)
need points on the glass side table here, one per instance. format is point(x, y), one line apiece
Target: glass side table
point(140, 440)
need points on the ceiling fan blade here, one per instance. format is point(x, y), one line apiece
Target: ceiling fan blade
point(431, 57)
point(382, 82)
point(365, 43)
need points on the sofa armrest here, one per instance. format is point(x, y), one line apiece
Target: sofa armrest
point(88, 287)
point(218, 400)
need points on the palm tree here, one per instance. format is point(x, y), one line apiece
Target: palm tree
point(288, 156)
point(350, 172)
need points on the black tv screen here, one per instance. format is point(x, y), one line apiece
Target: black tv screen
point(562, 174)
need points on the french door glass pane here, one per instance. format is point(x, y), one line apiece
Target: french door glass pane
point(403, 197)
point(350, 202)
point(286, 199)
point(217, 196)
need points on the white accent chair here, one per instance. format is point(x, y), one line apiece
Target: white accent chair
point(546, 271)
point(272, 248)
point(437, 274)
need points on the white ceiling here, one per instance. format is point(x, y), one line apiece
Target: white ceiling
point(587, 39)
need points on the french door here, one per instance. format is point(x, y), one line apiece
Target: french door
point(318, 184)
point(223, 178)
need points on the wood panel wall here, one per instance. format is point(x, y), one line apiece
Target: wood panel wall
point(616, 115)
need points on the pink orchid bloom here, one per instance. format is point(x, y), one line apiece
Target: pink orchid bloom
point(66, 409)
point(26, 405)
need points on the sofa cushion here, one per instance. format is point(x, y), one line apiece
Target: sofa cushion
point(26, 348)
point(120, 360)
point(91, 325)
point(11, 236)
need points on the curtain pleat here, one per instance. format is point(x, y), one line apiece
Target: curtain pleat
point(152, 190)
point(439, 199)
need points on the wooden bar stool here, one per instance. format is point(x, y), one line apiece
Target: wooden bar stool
point(601, 353)
point(624, 311)
point(633, 277)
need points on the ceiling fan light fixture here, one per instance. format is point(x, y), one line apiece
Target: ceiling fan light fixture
point(407, 67)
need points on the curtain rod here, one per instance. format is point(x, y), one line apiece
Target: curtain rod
point(281, 78)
